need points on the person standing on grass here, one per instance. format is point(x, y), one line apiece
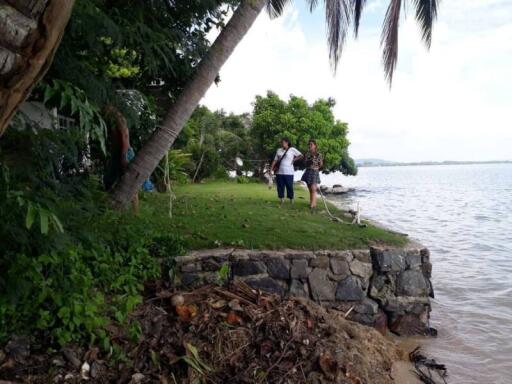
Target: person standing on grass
point(282, 166)
point(313, 161)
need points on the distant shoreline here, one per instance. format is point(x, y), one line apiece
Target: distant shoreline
point(391, 164)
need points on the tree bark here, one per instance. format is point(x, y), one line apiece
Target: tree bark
point(157, 146)
point(30, 33)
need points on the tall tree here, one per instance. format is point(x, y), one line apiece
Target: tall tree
point(30, 32)
point(339, 16)
point(274, 118)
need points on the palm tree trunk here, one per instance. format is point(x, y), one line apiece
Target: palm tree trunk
point(157, 146)
point(30, 32)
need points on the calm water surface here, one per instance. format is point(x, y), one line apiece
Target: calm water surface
point(463, 214)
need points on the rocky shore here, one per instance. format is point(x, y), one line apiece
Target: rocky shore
point(382, 287)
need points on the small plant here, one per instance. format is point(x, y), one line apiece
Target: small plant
point(223, 274)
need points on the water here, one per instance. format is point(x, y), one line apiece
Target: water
point(463, 214)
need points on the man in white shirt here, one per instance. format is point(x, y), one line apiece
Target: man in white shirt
point(283, 167)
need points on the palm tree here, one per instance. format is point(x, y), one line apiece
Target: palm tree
point(340, 15)
point(30, 32)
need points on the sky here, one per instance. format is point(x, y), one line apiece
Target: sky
point(452, 102)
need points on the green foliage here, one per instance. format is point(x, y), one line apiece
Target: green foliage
point(73, 102)
point(216, 138)
point(274, 118)
point(70, 265)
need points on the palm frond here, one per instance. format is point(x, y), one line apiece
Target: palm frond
point(312, 4)
point(338, 17)
point(275, 8)
point(357, 9)
point(426, 14)
point(389, 38)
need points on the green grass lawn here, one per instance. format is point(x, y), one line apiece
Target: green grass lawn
point(227, 214)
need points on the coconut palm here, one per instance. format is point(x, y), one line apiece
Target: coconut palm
point(30, 32)
point(340, 16)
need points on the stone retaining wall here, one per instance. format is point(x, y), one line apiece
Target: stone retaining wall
point(381, 287)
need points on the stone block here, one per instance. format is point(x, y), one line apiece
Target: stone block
point(388, 260)
point(299, 269)
point(426, 268)
point(298, 289)
point(425, 255)
point(382, 287)
point(248, 267)
point(190, 280)
point(350, 289)
point(412, 283)
point(363, 270)
point(266, 284)
point(278, 268)
point(211, 265)
point(362, 255)
point(409, 325)
point(219, 254)
point(193, 267)
point(319, 262)
point(339, 266)
point(293, 254)
point(320, 287)
point(413, 260)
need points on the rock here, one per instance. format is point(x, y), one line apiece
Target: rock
point(248, 267)
point(409, 325)
point(365, 312)
point(425, 255)
point(321, 288)
point(18, 347)
point(362, 255)
point(293, 254)
point(426, 268)
point(298, 289)
point(72, 357)
point(211, 265)
point(137, 378)
point(190, 279)
point(97, 370)
point(319, 262)
point(240, 254)
point(193, 267)
point(412, 283)
point(335, 277)
point(363, 270)
point(405, 304)
point(413, 258)
point(278, 268)
point(338, 190)
point(350, 289)
point(382, 287)
point(387, 260)
point(266, 284)
point(299, 269)
point(339, 266)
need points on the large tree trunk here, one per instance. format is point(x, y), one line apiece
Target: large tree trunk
point(30, 32)
point(154, 150)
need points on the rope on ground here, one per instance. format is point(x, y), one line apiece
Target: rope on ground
point(356, 219)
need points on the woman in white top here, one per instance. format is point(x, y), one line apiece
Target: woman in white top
point(283, 168)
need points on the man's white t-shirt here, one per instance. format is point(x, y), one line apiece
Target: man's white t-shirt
point(286, 166)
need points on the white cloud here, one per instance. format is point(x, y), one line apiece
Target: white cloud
point(449, 103)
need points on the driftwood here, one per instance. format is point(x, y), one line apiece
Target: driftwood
point(428, 370)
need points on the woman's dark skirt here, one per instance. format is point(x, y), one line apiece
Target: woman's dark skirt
point(311, 176)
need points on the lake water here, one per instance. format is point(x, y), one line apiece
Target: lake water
point(463, 214)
